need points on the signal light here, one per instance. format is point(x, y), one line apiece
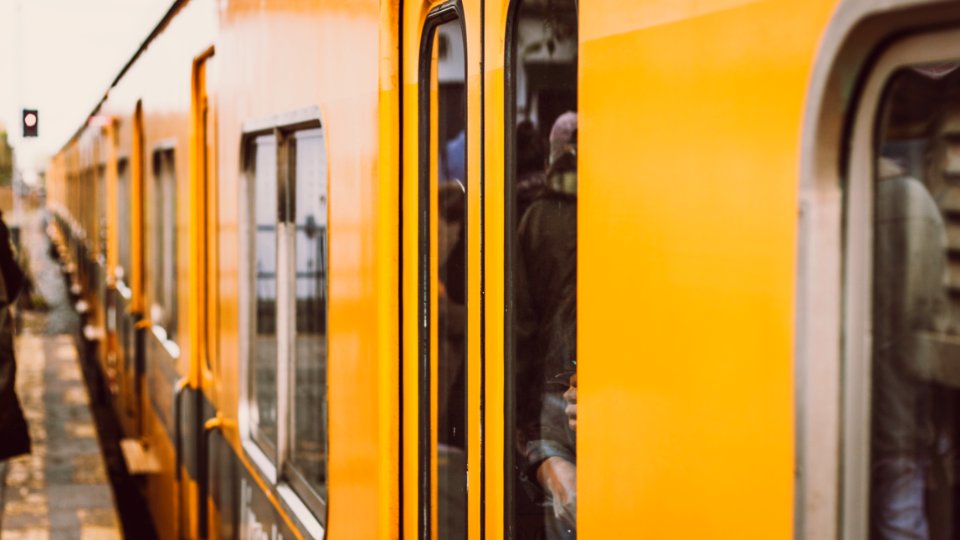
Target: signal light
point(31, 122)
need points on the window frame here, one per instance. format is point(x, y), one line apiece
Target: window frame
point(164, 293)
point(447, 12)
point(513, 63)
point(858, 274)
point(288, 482)
point(123, 221)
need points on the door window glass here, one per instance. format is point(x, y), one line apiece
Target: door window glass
point(124, 225)
point(309, 385)
point(541, 278)
point(163, 264)
point(443, 226)
point(263, 375)
point(916, 308)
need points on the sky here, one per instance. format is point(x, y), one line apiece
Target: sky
point(59, 57)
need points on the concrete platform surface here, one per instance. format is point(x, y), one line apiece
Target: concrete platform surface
point(61, 490)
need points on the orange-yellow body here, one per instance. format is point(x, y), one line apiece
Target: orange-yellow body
point(693, 118)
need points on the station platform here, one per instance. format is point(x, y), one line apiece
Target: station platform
point(62, 490)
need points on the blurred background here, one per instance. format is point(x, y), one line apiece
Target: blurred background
point(47, 47)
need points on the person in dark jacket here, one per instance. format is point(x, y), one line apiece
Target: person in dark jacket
point(546, 287)
point(14, 438)
point(531, 176)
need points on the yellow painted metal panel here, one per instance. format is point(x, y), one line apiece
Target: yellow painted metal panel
point(689, 156)
point(388, 271)
point(413, 16)
point(474, 24)
point(137, 179)
point(495, 27)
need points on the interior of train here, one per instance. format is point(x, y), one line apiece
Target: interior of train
point(914, 445)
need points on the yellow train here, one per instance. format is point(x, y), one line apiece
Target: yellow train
point(339, 261)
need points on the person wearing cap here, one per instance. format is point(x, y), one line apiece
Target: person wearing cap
point(545, 284)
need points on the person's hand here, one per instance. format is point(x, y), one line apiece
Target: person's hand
point(570, 396)
point(559, 477)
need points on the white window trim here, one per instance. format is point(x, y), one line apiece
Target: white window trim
point(303, 514)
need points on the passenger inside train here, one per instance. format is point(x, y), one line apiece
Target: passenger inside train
point(914, 446)
point(542, 282)
point(451, 267)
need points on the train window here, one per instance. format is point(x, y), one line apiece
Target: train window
point(443, 225)
point(915, 395)
point(308, 387)
point(541, 270)
point(163, 263)
point(206, 102)
point(263, 373)
point(123, 219)
point(101, 215)
point(289, 279)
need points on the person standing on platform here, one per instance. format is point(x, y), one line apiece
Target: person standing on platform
point(14, 437)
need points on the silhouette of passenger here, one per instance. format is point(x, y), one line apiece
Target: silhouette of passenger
point(451, 364)
point(545, 284)
point(911, 315)
point(531, 174)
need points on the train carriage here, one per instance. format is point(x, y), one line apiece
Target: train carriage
point(350, 268)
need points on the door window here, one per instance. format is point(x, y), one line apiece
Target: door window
point(915, 398)
point(443, 277)
point(541, 271)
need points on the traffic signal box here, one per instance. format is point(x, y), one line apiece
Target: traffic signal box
point(31, 122)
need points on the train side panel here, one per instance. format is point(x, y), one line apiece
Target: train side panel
point(689, 168)
point(281, 59)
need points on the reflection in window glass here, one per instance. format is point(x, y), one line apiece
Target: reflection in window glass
point(155, 224)
point(914, 439)
point(101, 215)
point(207, 76)
point(541, 243)
point(124, 326)
point(448, 260)
point(263, 377)
point(123, 218)
point(163, 262)
point(308, 414)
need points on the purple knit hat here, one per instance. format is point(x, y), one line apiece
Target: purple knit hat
point(561, 134)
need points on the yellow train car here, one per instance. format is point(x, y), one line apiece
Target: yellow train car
point(352, 269)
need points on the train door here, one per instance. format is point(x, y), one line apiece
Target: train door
point(206, 154)
point(441, 301)
point(195, 409)
point(136, 306)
